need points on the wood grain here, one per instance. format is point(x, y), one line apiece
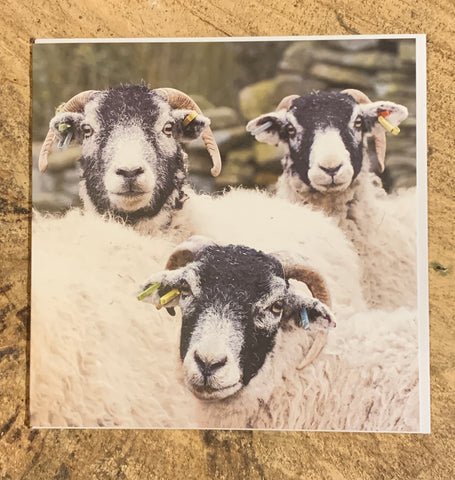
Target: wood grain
point(84, 454)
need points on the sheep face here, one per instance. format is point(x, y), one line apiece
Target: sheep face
point(233, 300)
point(325, 134)
point(132, 162)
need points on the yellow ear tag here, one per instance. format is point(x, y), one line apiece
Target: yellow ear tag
point(388, 126)
point(189, 118)
point(168, 298)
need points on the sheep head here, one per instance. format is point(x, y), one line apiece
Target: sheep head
point(234, 300)
point(325, 133)
point(132, 162)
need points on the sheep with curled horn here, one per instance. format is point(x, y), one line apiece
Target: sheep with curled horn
point(233, 300)
point(84, 311)
point(326, 166)
point(132, 164)
point(101, 358)
point(143, 183)
point(251, 366)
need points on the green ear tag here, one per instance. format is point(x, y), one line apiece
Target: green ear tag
point(63, 126)
point(63, 144)
point(148, 291)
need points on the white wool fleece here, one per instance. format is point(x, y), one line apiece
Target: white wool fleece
point(100, 357)
point(365, 379)
point(260, 221)
point(382, 229)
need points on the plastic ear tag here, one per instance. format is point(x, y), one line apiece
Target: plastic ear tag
point(168, 297)
point(149, 290)
point(305, 322)
point(63, 126)
point(190, 117)
point(63, 144)
point(386, 124)
point(261, 128)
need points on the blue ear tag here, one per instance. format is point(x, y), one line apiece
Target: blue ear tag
point(261, 128)
point(304, 318)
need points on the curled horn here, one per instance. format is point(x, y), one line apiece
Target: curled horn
point(379, 135)
point(312, 279)
point(285, 104)
point(74, 104)
point(178, 99)
point(186, 251)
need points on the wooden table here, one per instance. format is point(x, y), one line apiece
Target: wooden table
point(85, 454)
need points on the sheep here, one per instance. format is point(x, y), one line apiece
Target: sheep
point(83, 270)
point(132, 163)
point(233, 299)
point(275, 222)
point(100, 357)
point(326, 166)
point(240, 351)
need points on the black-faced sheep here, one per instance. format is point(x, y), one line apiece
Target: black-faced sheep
point(100, 357)
point(326, 166)
point(132, 164)
point(233, 300)
point(251, 366)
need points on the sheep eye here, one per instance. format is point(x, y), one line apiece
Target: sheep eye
point(277, 308)
point(185, 291)
point(290, 131)
point(358, 122)
point(167, 129)
point(87, 130)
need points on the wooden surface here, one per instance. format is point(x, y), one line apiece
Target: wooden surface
point(85, 454)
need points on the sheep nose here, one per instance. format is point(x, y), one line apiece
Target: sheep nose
point(208, 366)
point(130, 172)
point(332, 171)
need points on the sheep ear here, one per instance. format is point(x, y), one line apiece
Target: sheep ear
point(66, 127)
point(266, 128)
point(158, 285)
point(190, 123)
point(392, 113)
point(308, 312)
point(315, 315)
point(371, 112)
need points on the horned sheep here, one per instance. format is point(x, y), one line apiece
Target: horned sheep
point(326, 166)
point(134, 169)
point(132, 166)
point(238, 346)
point(101, 358)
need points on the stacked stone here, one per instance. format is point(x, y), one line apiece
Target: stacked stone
point(383, 69)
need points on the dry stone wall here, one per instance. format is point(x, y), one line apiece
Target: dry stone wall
point(383, 69)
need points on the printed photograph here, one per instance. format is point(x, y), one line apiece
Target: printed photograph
point(230, 234)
